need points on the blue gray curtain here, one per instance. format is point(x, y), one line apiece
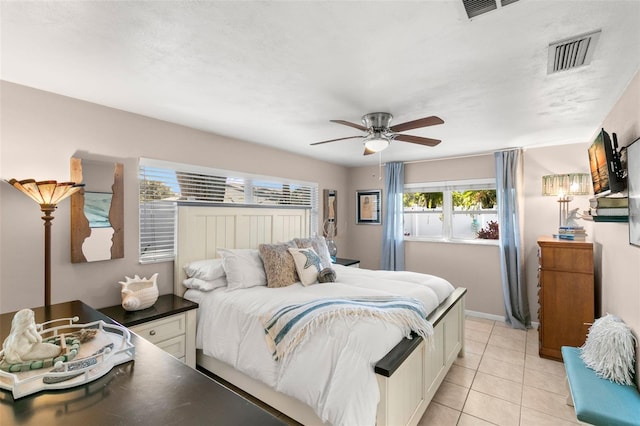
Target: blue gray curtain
point(508, 188)
point(393, 218)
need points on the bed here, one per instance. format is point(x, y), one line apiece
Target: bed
point(407, 372)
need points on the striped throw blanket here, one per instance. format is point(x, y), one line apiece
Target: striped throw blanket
point(287, 327)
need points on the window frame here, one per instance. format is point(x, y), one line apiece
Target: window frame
point(447, 188)
point(257, 191)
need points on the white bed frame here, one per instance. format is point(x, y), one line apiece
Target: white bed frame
point(410, 374)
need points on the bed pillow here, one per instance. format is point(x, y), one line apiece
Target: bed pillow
point(243, 268)
point(610, 350)
point(307, 263)
point(278, 264)
point(207, 269)
point(319, 244)
point(205, 285)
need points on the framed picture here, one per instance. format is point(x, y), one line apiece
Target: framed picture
point(368, 207)
point(633, 182)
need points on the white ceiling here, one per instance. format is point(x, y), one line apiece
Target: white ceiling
point(275, 73)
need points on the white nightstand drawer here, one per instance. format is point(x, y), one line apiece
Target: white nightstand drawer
point(163, 329)
point(170, 324)
point(175, 346)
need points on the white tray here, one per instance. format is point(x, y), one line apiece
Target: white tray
point(111, 346)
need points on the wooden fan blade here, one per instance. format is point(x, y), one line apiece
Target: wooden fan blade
point(367, 151)
point(421, 122)
point(347, 123)
point(417, 139)
point(339, 139)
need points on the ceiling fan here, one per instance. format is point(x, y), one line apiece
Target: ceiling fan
point(379, 134)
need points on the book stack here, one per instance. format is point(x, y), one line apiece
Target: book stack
point(609, 209)
point(571, 233)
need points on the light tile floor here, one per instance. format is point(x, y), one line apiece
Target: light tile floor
point(501, 380)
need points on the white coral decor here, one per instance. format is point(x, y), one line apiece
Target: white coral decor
point(139, 293)
point(609, 350)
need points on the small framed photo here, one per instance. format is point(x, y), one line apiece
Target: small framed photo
point(368, 206)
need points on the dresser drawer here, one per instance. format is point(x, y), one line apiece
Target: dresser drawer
point(570, 259)
point(163, 329)
point(174, 346)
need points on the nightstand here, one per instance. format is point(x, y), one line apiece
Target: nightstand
point(169, 324)
point(347, 262)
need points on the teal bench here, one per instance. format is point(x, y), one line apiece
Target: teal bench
point(599, 401)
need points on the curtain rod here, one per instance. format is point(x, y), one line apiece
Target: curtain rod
point(480, 154)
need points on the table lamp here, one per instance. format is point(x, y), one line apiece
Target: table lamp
point(565, 186)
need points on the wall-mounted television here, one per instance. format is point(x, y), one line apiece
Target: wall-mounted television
point(607, 175)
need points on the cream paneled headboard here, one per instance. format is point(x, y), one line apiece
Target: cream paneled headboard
point(203, 230)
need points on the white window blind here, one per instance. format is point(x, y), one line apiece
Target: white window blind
point(163, 184)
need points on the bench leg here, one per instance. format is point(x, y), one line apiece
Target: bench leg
point(569, 397)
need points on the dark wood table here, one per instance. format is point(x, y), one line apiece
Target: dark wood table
point(153, 389)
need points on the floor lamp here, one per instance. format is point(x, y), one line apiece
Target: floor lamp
point(48, 194)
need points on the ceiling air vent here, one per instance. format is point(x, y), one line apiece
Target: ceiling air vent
point(478, 7)
point(571, 53)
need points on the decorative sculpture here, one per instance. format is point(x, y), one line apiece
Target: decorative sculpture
point(572, 218)
point(24, 343)
point(139, 293)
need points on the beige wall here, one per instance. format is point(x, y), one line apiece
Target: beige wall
point(41, 131)
point(541, 212)
point(475, 267)
point(618, 262)
point(365, 241)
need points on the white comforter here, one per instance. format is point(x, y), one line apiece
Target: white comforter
point(332, 371)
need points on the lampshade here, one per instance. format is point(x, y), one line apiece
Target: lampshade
point(376, 143)
point(46, 192)
point(566, 184)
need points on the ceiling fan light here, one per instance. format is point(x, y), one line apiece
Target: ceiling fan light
point(376, 143)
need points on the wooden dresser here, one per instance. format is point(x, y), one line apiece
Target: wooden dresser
point(566, 294)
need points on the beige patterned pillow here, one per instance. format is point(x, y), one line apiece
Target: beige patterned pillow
point(278, 264)
point(319, 244)
point(307, 263)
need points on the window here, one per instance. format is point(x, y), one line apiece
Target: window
point(457, 210)
point(163, 184)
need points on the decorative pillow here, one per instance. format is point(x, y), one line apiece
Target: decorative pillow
point(207, 269)
point(319, 244)
point(609, 350)
point(307, 263)
point(278, 264)
point(204, 285)
point(243, 268)
point(327, 275)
